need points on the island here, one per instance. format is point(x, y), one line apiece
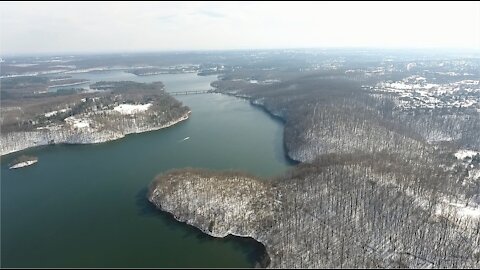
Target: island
point(109, 112)
point(23, 161)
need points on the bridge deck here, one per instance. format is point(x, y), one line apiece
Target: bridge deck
point(192, 92)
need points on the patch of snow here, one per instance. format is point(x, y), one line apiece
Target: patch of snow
point(50, 127)
point(467, 210)
point(260, 101)
point(462, 154)
point(77, 123)
point(132, 108)
point(52, 113)
point(474, 174)
point(433, 138)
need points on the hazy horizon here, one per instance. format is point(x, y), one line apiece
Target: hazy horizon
point(431, 50)
point(85, 28)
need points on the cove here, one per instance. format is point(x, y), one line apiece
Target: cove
point(85, 205)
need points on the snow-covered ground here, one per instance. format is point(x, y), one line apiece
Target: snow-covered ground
point(132, 108)
point(52, 113)
point(77, 122)
point(52, 127)
point(415, 92)
point(462, 154)
point(467, 211)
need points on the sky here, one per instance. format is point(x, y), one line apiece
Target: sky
point(86, 27)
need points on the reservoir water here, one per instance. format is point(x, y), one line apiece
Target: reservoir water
point(85, 205)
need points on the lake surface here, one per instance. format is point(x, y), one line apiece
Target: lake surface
point(85, 205)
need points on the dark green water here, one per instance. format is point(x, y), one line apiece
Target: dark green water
point(85, 205)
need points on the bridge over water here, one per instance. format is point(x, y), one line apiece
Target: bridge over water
point(191, 92)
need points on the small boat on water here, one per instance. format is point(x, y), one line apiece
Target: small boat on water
point(23, 161)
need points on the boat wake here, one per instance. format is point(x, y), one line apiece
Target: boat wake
point(184, 139)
